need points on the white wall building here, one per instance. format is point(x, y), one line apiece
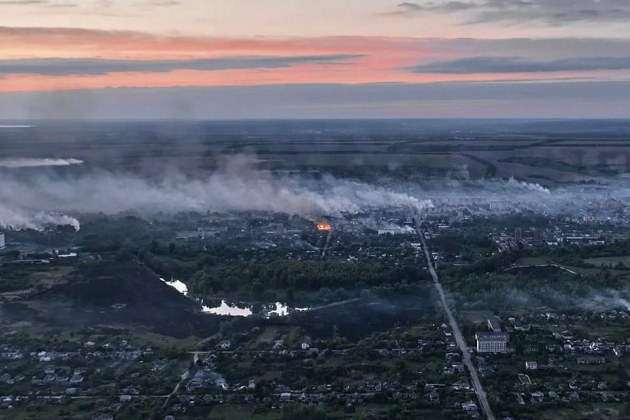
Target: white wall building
point(492, 342)
point(2, 241)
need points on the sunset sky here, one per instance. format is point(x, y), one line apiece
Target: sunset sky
point(226, 59)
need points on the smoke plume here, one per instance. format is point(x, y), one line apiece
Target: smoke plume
point(35, 163)
point(237, 186)
point(46, 198)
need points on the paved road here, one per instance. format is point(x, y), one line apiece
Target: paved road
point(459, 338)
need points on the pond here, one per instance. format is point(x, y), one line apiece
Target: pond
point(180, 286)
point(243, 309)
point(248, 309)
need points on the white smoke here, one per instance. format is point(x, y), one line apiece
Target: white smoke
point(24, 219)
point(513, 183)
point(235, 187)
point(34, 163)
point(38, 200)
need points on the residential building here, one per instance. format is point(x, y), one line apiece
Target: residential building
point(531, 365)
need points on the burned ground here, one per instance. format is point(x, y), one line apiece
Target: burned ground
point(116, 293)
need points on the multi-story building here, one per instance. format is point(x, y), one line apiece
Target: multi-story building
point(518, 234)
point(492, 342)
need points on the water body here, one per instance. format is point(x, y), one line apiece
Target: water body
point(178, 285)
point(240, 309)
point(244, 309)
point(228, 309)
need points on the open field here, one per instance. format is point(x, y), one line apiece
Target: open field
point(597, 262)
point(536, 150)
point(18, 280)
point(121, 294)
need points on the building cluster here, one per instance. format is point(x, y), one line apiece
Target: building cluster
point(560, 235)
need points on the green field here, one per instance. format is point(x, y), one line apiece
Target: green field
point(582, 411)
point(231, 412)
point(268, 335)
point(610, 261)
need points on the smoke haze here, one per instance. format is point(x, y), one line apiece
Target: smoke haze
point(234, 187)
point(36, 163)
point(44, 198)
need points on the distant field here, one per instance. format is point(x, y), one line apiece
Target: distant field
point(558, 151)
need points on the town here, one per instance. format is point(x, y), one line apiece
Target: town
point(357, 332)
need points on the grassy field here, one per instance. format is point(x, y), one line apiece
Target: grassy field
point(150, 339)
point(610, 261)
point(475, 317)
point(75, 410)
point(17, 280)
point(533, 261)
point(268, 415)
point(268, 335)
point(292, 337)
point(581, 411)
point(231, 412)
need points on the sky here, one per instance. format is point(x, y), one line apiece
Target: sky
point(269, 59)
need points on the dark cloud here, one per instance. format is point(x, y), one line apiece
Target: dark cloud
point(479, 65)
point(551, 12)
point(66, 67)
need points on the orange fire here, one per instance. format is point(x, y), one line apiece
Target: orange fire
point(323, 227)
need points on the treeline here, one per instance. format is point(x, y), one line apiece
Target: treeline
point(493, 264)
point(169, 267)
point(558, 282)
point(300, 275)
point(560, 289)
point(575, 255)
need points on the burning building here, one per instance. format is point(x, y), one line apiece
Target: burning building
point(323, 227)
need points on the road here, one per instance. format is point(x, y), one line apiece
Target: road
point(184, 376)
point(326, 244)
point(459, 338)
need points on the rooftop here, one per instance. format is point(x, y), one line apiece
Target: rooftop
point(492, 336)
